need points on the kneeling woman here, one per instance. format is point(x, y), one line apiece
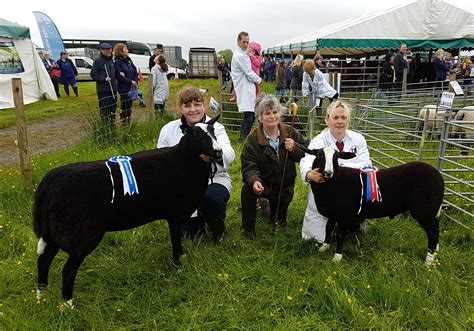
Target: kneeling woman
point(263, 158)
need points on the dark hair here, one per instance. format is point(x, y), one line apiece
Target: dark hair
point(162, 63)
point(189, 94)
point(62, 53)
point(388, 56)
point(242, 34)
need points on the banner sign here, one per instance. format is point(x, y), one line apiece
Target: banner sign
point(52, 41)
point(10, 62)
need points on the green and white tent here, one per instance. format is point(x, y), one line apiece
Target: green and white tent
point(422, 25)
point(19, 59)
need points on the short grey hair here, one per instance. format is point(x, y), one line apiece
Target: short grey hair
point(266, 102)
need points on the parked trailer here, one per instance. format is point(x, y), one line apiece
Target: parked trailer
point(202, 62)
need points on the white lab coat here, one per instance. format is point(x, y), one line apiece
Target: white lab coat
point(244, 80)
point(314, 224)
point(319, 86)
point(171, 134)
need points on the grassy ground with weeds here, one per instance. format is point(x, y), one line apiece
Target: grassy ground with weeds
point(278, 281)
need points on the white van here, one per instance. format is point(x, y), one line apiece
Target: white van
point(83, 65)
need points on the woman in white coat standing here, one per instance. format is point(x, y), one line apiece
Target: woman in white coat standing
point(313, 80)
point(336, 136)
point(160, 85)
point(244, 80)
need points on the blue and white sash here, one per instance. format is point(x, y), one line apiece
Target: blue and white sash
point(130, 185)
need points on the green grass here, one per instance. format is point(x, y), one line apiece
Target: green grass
point(279, 281)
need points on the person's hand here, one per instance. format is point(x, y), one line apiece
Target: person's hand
point(205, 158)
point(257, 188)
point(315, 176)
point(134, 83)
point(108, 79)
point(289, 144)
point(122, 74)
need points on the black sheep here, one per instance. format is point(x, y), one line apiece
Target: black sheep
point(73, 207)
point(416, 187)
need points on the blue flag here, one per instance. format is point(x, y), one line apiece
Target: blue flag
point(52, 41)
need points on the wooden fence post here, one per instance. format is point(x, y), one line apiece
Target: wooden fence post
point(150, 103)
point(22, 138)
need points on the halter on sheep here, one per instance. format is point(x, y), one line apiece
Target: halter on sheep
point(73, 210)
point(416, 187)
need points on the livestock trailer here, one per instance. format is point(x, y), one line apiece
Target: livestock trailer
point(202, 62)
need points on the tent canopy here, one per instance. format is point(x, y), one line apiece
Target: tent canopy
point(422, 25)
point(13, 30)
point(19, 59)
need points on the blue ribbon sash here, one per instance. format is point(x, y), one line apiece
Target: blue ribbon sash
point(130, 185)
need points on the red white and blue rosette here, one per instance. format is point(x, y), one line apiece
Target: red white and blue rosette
point(372, 189)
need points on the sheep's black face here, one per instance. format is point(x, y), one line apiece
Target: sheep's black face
point(207, 142)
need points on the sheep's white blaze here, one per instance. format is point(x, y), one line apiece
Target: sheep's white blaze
point(215, 144)
point(41, 246)
point(328, 155)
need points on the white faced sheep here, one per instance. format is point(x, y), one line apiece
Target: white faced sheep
point(416, 187)
point(73, 207)
point(465, 130)
point(435, 117)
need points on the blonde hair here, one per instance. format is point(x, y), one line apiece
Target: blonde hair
point(440, 53)
point(331, 111)
point(118, 49)
point(309, 67)
point(298, 59)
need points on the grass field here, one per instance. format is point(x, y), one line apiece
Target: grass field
point(276, 282)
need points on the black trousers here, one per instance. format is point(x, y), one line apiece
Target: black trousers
point(107, 105)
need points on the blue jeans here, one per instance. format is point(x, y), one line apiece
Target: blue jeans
point(281, 91)
point(249, 117)
point(212, 209)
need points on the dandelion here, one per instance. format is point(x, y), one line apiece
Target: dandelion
point(223, 276)
point(301, 289)
point(349, 300)
point(289, 297)
point(369, 286)
point(119, 309)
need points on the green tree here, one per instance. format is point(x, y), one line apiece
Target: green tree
point(226, 54)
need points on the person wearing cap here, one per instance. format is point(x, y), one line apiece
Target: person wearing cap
point(244, 80)
point(103, 72)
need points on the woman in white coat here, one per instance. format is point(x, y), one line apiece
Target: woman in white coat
point(244, 80)
point(336, 136)
point(212, 210)
point(313, 79)
point(160, 85)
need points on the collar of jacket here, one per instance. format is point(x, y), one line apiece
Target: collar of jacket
point(185, 126)
point(283, 134)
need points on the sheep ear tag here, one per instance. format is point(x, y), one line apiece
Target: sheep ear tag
point(130, 185)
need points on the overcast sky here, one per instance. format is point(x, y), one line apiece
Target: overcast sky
point(193, 23)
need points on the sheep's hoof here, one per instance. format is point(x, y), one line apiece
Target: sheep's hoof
point(324, 247)
point(337, 258)
point(429, 259)
point(39, 294)
point(68, 304)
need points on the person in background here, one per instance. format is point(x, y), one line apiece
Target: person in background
point(212, 210)
point(400, 63)
point(339, 137)
point(441, 68)
point(296, 78)
point(387, 77)
point(263, 162)
point(127, 79)
point(223, 67)
point(103, 72)
point(160, 85)
point(244, 83)
point(151, 60)
point(288, 75)
point(280, 88)
point(466, 73)
point(50, 64)
point(68, 73)
point(254, 50)
point(318, 60)
point(313, 79)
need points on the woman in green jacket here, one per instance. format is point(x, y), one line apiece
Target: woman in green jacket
point(263, 158)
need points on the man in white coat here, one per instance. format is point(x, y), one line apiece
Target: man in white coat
point(244, 83)
point(336, 136)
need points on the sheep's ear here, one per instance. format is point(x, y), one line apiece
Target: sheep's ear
point(213, 120)
point(309, 151)
point(346, 155)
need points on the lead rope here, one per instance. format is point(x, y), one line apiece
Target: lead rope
point(112, 180)
point(361, 193)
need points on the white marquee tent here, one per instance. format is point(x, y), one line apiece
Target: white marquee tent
point(19, 59)
point(422, 25)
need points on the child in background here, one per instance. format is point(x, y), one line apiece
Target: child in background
point(280, 88)
point(254, 49)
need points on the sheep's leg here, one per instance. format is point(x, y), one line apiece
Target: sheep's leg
point(431, 228)
point(69, 276)
point(339, 243)
point(175, 234)
point(330, 225)
point(43, 264)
